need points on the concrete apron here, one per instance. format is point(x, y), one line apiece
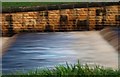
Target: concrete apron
point(5, 43)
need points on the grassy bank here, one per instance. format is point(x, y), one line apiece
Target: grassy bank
point(20, 4)
point(76, 70)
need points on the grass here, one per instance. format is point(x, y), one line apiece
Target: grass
point(76, 70)
point(19, 4)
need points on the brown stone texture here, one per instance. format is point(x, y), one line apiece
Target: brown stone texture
point(53, 17)
point(112, 11)
point(37, 20)
point(4, 23)
point(82, 13)
point(92, 15)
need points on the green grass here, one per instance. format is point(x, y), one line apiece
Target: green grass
point(19, 4)
point(76, 70)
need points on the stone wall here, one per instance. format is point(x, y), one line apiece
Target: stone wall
point(63, 19)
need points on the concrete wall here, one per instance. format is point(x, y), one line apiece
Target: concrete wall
point(111, 34)
point(38, 20)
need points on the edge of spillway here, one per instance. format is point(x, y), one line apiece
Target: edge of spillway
point(111, 35)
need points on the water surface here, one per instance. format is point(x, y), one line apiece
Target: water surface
point(40, 50)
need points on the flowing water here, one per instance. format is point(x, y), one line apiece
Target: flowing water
point(41, 50)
